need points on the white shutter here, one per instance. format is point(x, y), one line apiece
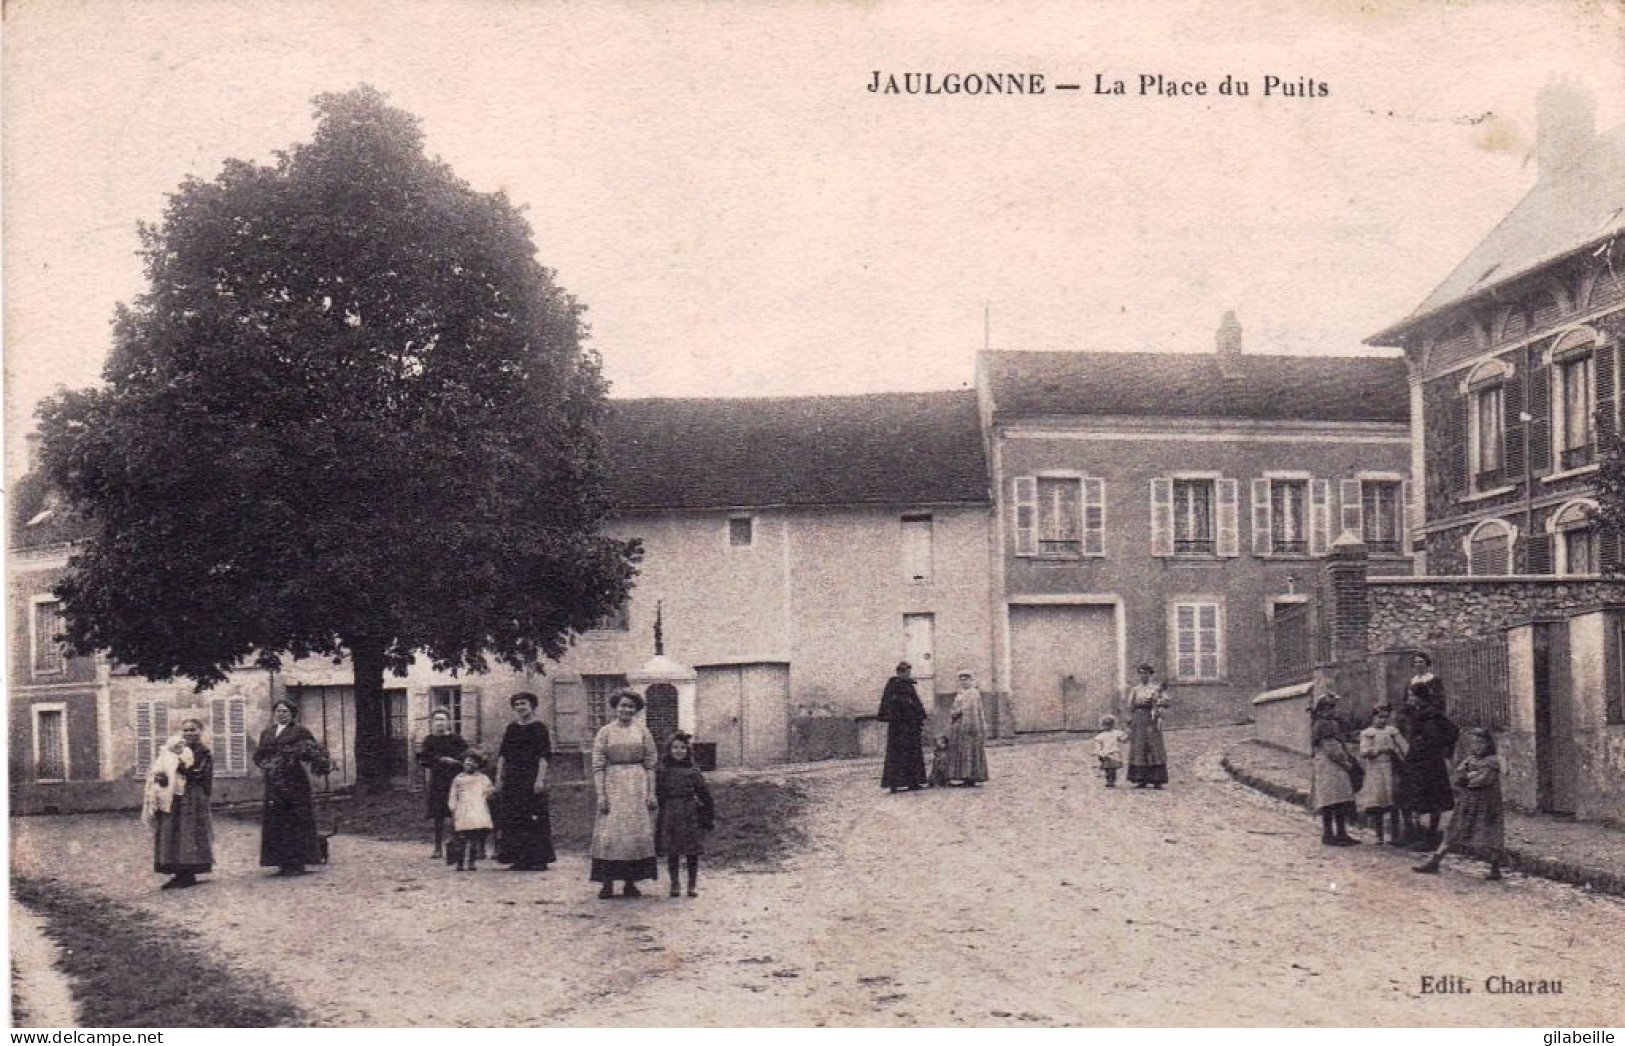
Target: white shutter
point(1229, 518)
point(1162, 516)
point(1025, 511)
point(143, 737)
point(1353, 509)
point(1261, 517)
point(1094, 517)
point(1320, 516)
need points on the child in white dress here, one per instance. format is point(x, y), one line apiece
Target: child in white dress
point(470, 806)
point(1109, 749)
point(1382, 751)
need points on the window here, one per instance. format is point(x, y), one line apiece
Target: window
point(51, 742)
point(1197, 629)
point(1193, 517)
point(917, 550)
point(1061, 517)
point(228, 734)
point(1489, 549)
point(1289, 510)
point(1577, 401)
point(1578, 551)
point(598, 690)
point(741, 533)
point(617, 620)
point(1489, 438)
point(151, 729)
point(48, 655)
point(449, 698)
point(1381, 513)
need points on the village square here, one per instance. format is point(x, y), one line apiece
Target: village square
point(369, 643)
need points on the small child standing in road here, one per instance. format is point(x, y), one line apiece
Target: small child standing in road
point(1109, 749)
point(686, 811)
point(470, 806)
point(939, 763)
point(1382, 749)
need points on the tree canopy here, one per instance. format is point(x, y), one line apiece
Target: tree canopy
point(351, 415)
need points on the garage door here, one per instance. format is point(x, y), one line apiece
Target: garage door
point(1063, 666)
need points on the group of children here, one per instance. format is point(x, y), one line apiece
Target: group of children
point(469, 804)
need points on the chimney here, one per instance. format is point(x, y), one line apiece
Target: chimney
point(1227, 342)
point(1565, 125)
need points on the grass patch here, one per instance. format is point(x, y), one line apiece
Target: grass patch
point(758, 820)
point(130, 971)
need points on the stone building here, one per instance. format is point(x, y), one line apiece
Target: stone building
point(1164, 507)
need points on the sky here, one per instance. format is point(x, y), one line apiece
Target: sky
point(742, 217)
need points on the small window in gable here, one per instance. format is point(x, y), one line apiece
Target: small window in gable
point(741, 531)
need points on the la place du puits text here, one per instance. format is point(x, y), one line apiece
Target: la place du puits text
point(1141, 85)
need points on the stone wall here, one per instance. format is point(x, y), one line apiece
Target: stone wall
point(1423, 611)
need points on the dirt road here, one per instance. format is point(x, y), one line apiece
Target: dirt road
point(1040, 899)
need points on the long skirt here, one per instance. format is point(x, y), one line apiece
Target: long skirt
point(623, 840)
point(967, 754)
point(1424, 786)
point(183, 838)
point(524, 825)
point(288, 830)
point(677, 828)
point(1479, 822)
point(1147, 756)
point(905, 759)
point(1329, 785)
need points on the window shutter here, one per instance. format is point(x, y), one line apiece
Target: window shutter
point(1320, 516)
point(1094, 517)
point(237, 734)
point(1607, 393)
point(1229, 517)
point(143, 737)
point(1261, 517)
point(1026, 515)
point(220, 734)
point(1407, 516)
point(1538, 553)
point(1540, 410)
point(1512, 430)
point(1608, 550)
point(1162, 516)
point(1353, 517)
point(1457, 425)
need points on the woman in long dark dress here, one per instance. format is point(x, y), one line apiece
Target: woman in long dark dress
point(182, 835)
point(904, 716)
point(288, 839)
point(442, 756)
point(1424, 782)
point(1147, 755)
point(524, 825)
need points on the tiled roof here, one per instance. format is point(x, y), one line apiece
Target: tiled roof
point(1193, 385)
point(1560, 215)
point(892, 448)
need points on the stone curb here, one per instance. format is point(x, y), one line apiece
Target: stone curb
point(1596, 880)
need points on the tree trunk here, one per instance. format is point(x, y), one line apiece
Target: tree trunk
point(371, 742)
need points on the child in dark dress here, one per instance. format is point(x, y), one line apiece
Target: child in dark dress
point(939, 763)
point(686, 811)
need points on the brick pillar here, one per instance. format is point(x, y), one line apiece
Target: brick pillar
point(1344, 599)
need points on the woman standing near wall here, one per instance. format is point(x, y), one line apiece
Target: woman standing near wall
point(967, 734)
point(624, 760)
point(1147, 755)
point(288, 839)
point(524, 823)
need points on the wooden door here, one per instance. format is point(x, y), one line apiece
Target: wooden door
point(1556, 761)
point(719, 700)
point(397, 735)
point(1063, 666)
point(919, 650)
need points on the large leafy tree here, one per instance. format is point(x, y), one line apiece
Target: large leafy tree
point(351, 416)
